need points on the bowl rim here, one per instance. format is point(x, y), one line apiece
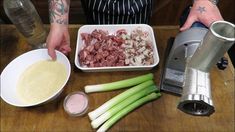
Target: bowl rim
point(50, 97)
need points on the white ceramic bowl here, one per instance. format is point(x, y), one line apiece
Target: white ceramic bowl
point(13, 70)
point(112, 29)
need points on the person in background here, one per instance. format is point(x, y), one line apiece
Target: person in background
point(116, 12)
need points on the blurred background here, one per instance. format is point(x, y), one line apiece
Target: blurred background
point(165, 12)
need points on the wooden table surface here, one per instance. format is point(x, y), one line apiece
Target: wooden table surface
point(159, 115)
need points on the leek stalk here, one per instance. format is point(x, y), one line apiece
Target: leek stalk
point(101, 119)
point(126, 110)
point(119, 98)
point(118, 84)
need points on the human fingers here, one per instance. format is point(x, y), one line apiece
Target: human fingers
point(65, 47)
point(51, 50)
point(52, 44)
point(190, 20)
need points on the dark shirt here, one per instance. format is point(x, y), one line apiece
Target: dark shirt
point(117, 11)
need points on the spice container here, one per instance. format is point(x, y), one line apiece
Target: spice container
point(76, 103)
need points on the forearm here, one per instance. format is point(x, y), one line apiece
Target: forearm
point(59, 11)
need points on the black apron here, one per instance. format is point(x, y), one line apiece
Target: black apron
point(117, 11)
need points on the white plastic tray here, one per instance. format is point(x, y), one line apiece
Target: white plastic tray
point(112, 29)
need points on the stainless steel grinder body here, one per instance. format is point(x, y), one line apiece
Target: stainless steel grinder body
point(187, 68)
point(184, 46)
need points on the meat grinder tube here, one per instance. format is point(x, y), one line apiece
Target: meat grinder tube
point(196, 97)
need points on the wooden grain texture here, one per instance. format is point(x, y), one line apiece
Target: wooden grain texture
point(160, 115)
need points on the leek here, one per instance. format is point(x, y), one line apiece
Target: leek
point(101, 119)
point(117, 99)
point(118, 84)
point(126, 110)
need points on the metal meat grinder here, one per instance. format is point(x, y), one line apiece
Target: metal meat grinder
point(189, 60)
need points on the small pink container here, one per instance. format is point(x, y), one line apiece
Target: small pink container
point(76, 103)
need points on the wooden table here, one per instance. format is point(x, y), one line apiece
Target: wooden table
point(160, 115)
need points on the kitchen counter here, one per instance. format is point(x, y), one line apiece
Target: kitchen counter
point(159, 115)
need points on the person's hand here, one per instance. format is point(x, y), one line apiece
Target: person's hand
point(202, 11)
point(58, 39)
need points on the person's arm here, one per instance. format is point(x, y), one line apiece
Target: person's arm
point(58, 37)
point(204, 11)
